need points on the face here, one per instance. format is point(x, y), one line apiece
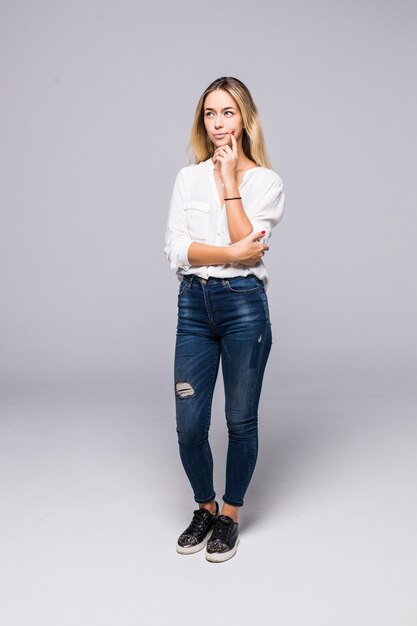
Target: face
point(221, 116)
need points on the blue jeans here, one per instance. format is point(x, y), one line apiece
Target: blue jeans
point(227, 319)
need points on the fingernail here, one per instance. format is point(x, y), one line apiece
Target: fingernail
point(263, 232)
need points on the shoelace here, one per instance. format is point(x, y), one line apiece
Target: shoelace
point(198, 521)
point(222, 529)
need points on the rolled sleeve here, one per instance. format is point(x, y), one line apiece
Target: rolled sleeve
point(177, 236)
point(268, 212)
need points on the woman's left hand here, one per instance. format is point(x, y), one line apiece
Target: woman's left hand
point(227, 157)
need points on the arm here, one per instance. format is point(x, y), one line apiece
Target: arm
point(264, 214)
point(238, 223)
point(204, 254)
point(248, 251)
point(177, 237)
point(183, 252)
point(269, 209)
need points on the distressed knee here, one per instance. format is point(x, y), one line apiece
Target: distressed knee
point(184, 389)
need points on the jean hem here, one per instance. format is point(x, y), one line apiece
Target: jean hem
point(205, 501)
point(227, 501)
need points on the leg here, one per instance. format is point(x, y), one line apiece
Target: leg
point(196, 368)
point(244, 356)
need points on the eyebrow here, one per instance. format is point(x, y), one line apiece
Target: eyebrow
point(224, 109)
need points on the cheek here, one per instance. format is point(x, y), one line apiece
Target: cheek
point(234, 125)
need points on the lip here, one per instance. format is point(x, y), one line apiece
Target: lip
point(220, 134)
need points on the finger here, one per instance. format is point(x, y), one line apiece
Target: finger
point(220, 151)
point(234, 142)
point(257, 235)
point(230, 152)
point(220, 148)
point(224, 147)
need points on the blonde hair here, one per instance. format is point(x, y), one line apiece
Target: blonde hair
point(253, 142)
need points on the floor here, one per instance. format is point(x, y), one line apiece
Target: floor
point(93, 496)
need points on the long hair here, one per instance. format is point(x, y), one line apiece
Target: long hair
point(253, 142)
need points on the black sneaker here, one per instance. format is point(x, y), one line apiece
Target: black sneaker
point(195, 537)
point(224, 540)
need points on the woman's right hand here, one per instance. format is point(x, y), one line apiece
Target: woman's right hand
point(249, 251)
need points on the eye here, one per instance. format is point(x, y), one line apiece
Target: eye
point(208, 113)
point(231, 113)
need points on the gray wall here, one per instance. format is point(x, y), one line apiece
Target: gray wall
point(97, 100)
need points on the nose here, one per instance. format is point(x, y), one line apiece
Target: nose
point(218, 122)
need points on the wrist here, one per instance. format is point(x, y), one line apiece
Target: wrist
point(232, 254)
point(230, 184)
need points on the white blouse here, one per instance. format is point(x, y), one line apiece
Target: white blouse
point(195, 214)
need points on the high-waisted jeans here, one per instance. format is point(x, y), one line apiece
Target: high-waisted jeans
point(227, 319)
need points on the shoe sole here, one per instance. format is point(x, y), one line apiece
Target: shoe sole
point(197, 547)
point(220, 557)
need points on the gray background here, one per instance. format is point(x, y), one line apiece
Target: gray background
point(97, 101)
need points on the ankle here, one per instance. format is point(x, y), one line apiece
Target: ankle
point(230, 511)
point(210, 506)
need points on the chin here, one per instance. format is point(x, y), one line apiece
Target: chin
point(222, 142)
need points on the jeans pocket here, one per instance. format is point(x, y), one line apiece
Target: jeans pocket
point(243, 284)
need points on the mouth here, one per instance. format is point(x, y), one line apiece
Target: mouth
point(220, 135)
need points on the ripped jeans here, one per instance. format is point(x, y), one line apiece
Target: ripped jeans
point(227, 319)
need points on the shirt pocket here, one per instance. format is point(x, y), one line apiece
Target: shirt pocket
point(198, 219)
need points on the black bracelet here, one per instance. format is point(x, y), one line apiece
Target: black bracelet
point(236, 198)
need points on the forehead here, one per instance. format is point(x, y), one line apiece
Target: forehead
point(219, 99)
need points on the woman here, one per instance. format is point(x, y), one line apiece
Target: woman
point(221, 213)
